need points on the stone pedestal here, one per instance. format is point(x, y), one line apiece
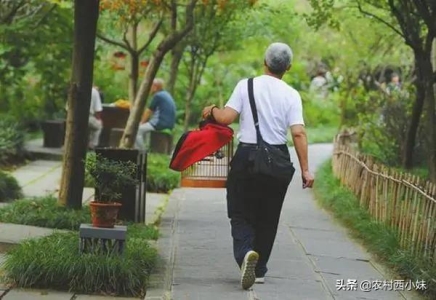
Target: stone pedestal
point(102, 240)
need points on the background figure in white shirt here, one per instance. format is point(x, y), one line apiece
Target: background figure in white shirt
point(254, 202)
point(95, 124)
point(319, 86)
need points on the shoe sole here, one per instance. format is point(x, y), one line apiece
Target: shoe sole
point(248, 275)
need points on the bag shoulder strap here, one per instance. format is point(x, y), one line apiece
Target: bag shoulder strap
point(254, 109)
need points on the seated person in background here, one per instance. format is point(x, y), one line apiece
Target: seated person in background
point(162, 111)
point(95, 124)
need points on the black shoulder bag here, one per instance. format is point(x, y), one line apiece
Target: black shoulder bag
point(268, 159)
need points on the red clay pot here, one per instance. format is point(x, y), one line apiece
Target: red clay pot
point(104, 214)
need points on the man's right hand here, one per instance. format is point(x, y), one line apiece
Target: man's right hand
point(308, 179)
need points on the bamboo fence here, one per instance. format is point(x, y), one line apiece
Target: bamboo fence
point(401, 201)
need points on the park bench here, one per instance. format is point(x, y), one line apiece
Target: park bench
point(114, 122)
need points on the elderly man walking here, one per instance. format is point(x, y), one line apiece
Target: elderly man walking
point(254, 201)
point(160, 115)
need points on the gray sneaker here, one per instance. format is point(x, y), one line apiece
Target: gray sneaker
point(248, 275)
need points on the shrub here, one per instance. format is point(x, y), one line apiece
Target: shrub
point(160, 178)
point(320, 113)
point(9, 188)
point(11, 140)
point(378, 238)
point(383, 127)
point(54, 262)
point(109, 176)
point(44, 212)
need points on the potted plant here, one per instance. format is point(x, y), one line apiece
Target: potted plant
point(109, 178)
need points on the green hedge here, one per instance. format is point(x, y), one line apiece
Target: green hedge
point(12, 137)
point(44, 212)
point(54, 262)
point(379, 239)
point(9, 188)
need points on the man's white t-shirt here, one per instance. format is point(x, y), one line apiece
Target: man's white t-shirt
point(96, 105)
point(278, 106)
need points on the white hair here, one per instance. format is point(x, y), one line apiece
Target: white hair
point(159, 81)
point(278, 57)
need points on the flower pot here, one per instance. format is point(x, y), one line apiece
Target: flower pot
point(104, 214)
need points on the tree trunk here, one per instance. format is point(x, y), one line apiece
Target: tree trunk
point(191, 90)
point(136, 111)
point(431, 113)
point(133, 76)
point(433, 58)
point(168, 43)
point(85, 26)
point(176, 58)
point(409, 145)
point(134, 63)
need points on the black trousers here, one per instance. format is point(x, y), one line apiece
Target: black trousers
point(254, 204)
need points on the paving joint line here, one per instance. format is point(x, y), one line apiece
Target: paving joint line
point(42, 176)
point(164, 287)
point(312, 263)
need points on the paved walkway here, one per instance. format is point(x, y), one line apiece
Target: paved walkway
point(311, 251)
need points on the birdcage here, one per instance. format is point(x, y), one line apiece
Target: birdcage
point(210, 172)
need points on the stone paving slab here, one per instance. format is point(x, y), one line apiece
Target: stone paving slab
point(34, 170)
point(356, 269)
point(31, 295)
point(16, 233)
point(331, 248)
point(298, 289)
point(39, 178)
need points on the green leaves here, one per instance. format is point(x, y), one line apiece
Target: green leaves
point(37, 45)
point(323, 13)
point(54, 262)
point(110, 176)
